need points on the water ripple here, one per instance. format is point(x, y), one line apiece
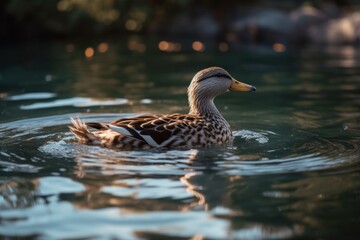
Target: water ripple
point(31, 96)
point(253, 153)
point(75, 102)
point(131, 224)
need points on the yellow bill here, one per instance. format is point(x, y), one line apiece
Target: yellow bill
point(241, 87)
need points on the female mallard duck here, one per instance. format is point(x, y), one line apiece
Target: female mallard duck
point(203, 126)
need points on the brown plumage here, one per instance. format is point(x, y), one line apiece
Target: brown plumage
point(203, 126)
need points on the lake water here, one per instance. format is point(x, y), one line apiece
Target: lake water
point(293, 171)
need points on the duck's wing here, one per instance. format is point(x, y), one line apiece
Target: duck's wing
point(156, 130)
point(104, 126)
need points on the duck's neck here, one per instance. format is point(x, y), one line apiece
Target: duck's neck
point(206, 108)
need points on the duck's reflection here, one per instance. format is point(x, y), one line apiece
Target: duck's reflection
point(17, 193)
point(140, 184)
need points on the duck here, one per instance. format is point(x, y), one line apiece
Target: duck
point(203, 126)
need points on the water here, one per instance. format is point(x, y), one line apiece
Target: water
point(293, 171)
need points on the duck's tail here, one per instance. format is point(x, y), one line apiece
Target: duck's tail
point(82, 133)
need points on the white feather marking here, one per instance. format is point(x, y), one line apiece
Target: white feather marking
point(163, 144)
point(148, 139)
point(120, 130)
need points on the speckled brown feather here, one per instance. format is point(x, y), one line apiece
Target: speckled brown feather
point(175, 130)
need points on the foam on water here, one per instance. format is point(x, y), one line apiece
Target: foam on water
point(251, 135)
point(58, 149)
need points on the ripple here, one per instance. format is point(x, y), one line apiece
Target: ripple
point(95, 160)
point(254, 152)
point(51, 221)
point(21, 168)
point(31, 96)
point(75, 102)
point(267, 232)
point(146, 101)
point(147, 188)
point(58, 185)
point(34, 125)
point(312, 154)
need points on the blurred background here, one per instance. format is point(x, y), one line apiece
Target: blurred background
point(273, 22)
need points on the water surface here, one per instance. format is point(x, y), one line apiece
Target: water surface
point(293, 171)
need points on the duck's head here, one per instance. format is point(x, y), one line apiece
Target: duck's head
point(211, 82)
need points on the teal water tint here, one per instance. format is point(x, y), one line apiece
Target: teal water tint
point(293, 171)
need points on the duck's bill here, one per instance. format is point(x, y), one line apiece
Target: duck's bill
point(241, 87)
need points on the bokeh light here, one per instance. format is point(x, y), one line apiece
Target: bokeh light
point(169, 46)
point(198, 46)
point(279, 47)
point(131, 25)
point(164, 45)
point(89, 52)
point(103, 47)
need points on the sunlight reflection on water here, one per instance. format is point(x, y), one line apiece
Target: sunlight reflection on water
point(75, 102)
